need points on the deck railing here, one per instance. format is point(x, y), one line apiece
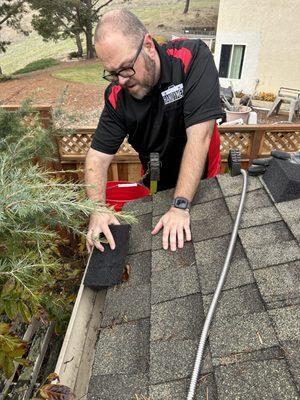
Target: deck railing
point(253, 141)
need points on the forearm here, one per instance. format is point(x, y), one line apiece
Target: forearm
point(96, 169)
point(193, 160)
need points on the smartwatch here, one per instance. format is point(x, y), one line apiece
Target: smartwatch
point(182, 203)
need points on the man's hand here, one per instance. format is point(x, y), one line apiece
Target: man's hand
point(99, 224)
point(174, 222)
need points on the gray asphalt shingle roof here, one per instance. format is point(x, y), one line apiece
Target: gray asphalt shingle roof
point(152, 324)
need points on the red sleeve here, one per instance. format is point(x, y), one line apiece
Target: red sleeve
point(110, 131)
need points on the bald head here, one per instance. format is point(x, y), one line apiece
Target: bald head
point(123, 22)
point(122, 43)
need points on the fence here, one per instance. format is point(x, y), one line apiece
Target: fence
point(44, 111)
point(257, 141)
point(253, 141)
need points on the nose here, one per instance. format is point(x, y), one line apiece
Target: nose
point(122, 80)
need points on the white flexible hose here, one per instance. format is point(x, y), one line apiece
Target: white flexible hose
point(221, 282)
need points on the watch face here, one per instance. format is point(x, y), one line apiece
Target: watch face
point(180, 202)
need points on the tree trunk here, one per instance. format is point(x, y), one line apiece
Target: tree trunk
point(186, 8)
point(89, 44)
point(79, 45)
point(89, 30)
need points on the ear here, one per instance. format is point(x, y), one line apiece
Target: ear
point(149, 46)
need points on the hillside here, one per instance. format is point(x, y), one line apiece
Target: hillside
point(162, 17)
point(166, 16)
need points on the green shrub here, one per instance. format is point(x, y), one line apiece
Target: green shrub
point(36, 65)
point(39, 277)
point(73, 54)
point(4, 78)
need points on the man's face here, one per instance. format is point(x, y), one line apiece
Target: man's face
point(117, 53)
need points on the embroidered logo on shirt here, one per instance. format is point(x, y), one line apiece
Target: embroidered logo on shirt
point(173, 93)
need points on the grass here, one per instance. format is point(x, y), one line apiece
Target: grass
point(33, 48)
point(167, 15)
point(90, 73)
point(36, 65)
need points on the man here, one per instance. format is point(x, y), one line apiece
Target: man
point(166, 99)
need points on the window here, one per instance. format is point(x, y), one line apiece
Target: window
point(231, 62)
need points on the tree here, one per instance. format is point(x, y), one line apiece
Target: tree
point(35, 277)
point(186, 7)
point(69, 18)
point(11, 13)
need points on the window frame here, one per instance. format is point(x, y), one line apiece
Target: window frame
point(230, 60)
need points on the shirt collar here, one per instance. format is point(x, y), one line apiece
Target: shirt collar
point(165, 65)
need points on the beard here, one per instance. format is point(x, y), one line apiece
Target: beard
point(145, 85)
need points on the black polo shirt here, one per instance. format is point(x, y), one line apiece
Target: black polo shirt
point(186, 94)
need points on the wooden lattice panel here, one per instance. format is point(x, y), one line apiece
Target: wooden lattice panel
point(126, 149)
point(286, 141)
point(253, 142)
point(76, 145)
point(235, 140)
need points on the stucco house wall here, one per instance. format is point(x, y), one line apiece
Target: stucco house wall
point(270, 30)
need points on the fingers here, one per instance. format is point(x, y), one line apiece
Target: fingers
point(188, 234)
point(114, 221)
point(99, 223)
point(180, 238)
point(176, 239)
point(165, 238)
point(158, 227)
point(88, 246)
point(89, 241)
point(92, 239)
point(173, 236)
point(107, 233)
point(173, 239)
point(176, 227)
point(97, 243)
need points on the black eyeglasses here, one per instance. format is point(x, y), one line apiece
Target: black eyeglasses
point(124, 72)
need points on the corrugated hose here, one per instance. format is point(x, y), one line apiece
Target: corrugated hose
point(217, 293)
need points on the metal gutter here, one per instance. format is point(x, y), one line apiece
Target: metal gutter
point(75, 361)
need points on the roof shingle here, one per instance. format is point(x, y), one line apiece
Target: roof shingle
point(152, 324)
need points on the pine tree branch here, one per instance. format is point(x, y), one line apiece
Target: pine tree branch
point(14, 9)
point(99, 8)
point(20, 281)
